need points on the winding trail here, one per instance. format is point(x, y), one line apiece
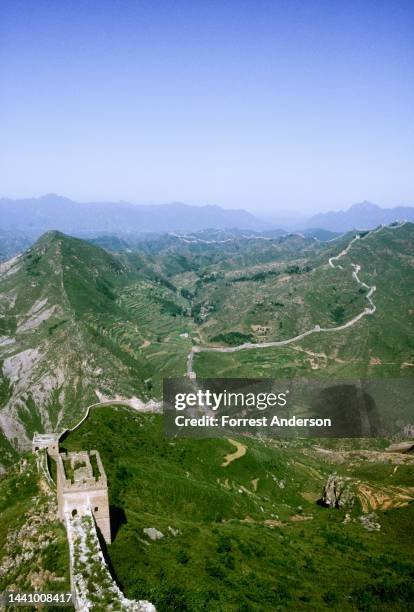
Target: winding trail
point(153, 406)
point(369, 310)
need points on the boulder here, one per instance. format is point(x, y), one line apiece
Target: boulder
point(153, 533)
point(338, 492)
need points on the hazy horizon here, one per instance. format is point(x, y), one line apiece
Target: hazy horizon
point(274, 108)
point(279, 214)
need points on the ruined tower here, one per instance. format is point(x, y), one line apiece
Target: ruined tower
point(81, 484)
point(49, 441)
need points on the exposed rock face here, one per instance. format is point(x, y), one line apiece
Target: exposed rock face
point(338, 492)
point(408, 431)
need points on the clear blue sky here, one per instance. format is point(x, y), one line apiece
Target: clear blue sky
point(264, 105)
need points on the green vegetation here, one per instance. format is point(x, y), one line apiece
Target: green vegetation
point(250, 536)
point(125, 319)
point(76, 319)
point(69, 471)
point(118, 323)
point(33, 547)
point(232, 338)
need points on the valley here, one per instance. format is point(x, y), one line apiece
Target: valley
point(88, 334)
point(207, 307)
point(130, 318)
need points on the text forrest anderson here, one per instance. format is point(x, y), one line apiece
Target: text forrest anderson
point(227, 421)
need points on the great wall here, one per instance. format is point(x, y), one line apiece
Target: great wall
point(83, 506)
point(368, 310)
point(82, 490)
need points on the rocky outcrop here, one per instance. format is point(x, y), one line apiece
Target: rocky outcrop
point(338, 492)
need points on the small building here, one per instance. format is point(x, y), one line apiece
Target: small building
point(49, 441)
point(81, 485)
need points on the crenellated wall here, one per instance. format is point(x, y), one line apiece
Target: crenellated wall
point(79, 489)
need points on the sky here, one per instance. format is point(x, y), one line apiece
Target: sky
point(297, 106)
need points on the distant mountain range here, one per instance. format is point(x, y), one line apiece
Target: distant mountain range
point(55, 212)
point(33, 216)
point(360, 216)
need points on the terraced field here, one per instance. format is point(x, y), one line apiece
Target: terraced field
point(128, 319)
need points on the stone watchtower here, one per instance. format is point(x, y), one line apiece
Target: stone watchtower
point(49, 441)
point(81, 484)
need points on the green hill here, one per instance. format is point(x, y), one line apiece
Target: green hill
point(249, 535)
point(379, 346)
point(59, 299)
point(240, 519)
point(77, 321)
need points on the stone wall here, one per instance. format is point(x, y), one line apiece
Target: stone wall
point(92, 584)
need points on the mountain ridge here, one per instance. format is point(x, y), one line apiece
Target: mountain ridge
point(56, 297)
point(363, 215)
point(22, 220)
point(76, 319)
point(53, 211)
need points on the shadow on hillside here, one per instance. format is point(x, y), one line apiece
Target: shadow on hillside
point(353, 412)
point(63, 436)
point(107, 558)
point(118, 518)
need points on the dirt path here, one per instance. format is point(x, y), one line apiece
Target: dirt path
point(230, 457)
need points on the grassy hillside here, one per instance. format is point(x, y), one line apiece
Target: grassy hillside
point(240, 521)
point(379, 345)
point(76, 320)
point(251, 535)
point(65, 332)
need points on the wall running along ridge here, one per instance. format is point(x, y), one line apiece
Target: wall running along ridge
point(317, 328)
